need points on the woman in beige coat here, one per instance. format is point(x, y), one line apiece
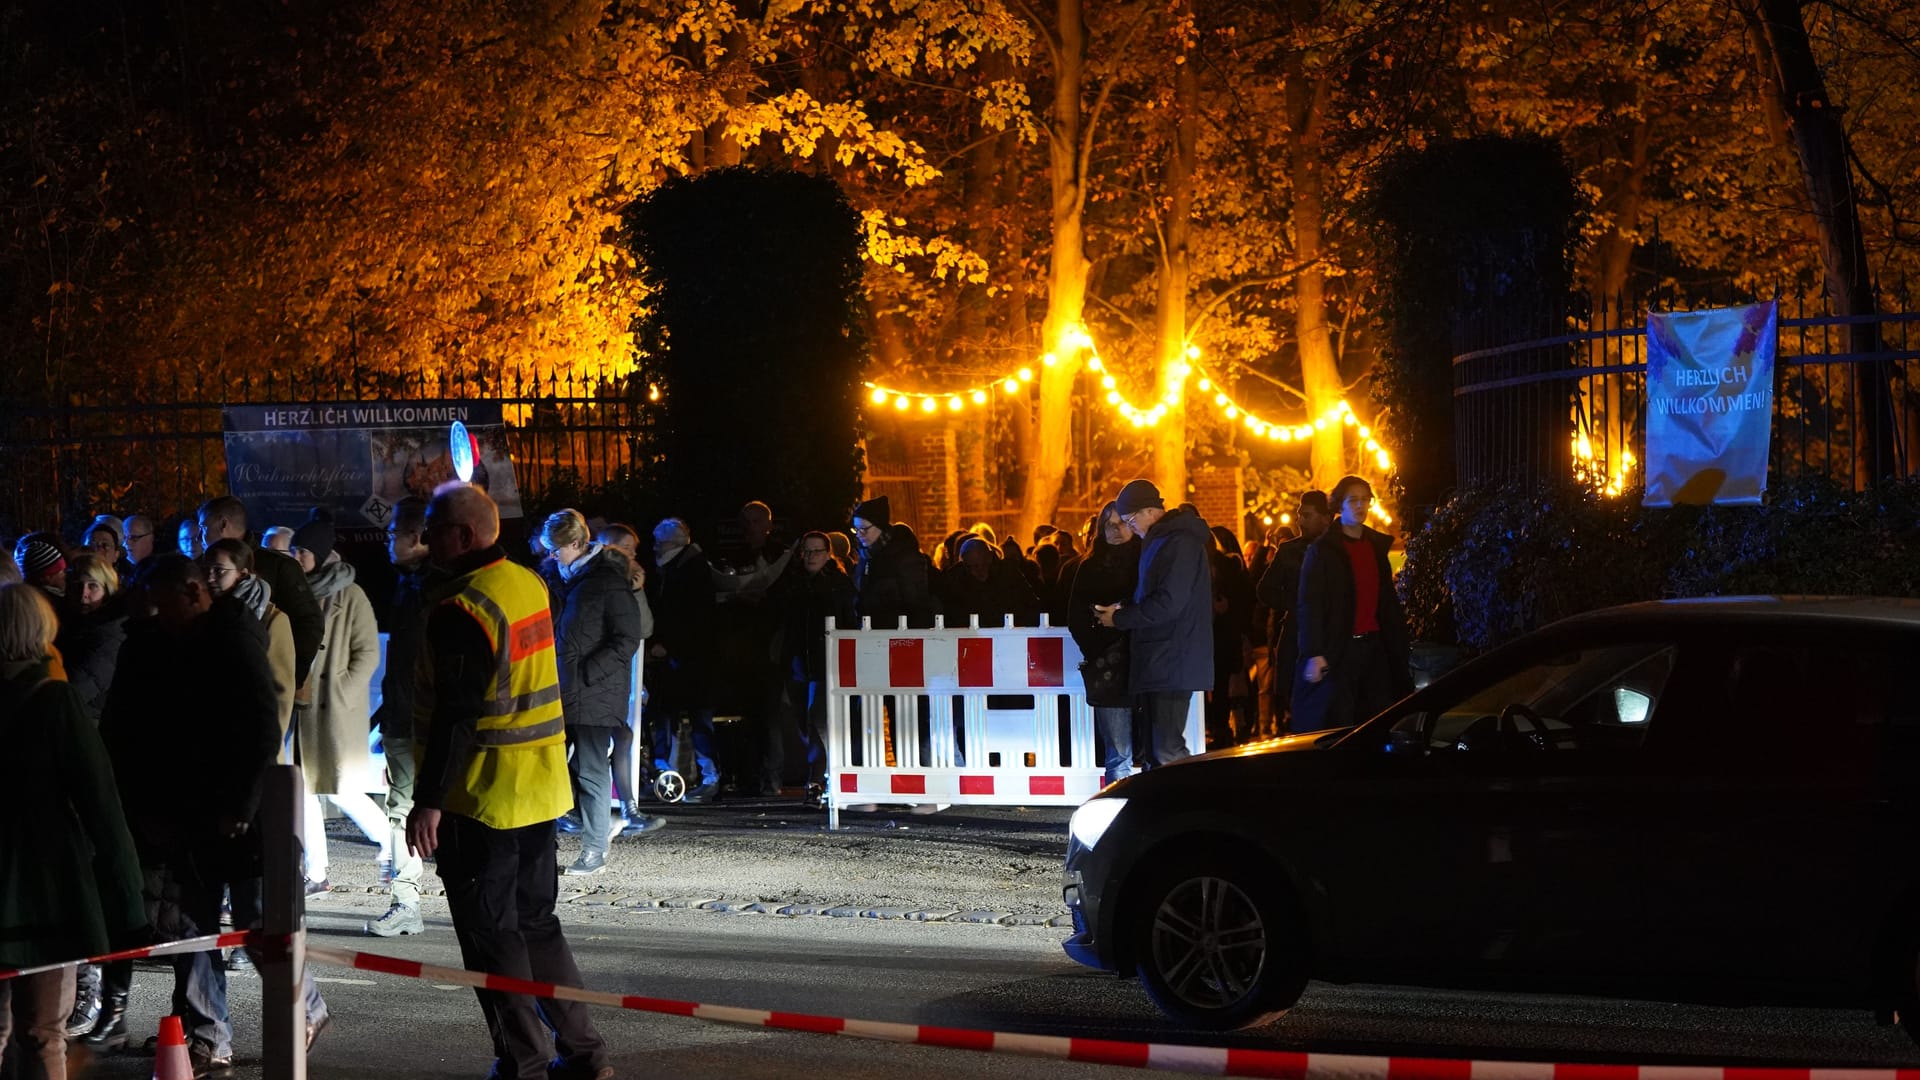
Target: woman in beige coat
point(229, 567)
point(336, 703)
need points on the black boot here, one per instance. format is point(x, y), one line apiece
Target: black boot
point(86, 1001)
point(110, 1030)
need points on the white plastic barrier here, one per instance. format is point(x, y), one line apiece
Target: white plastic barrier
point(984, 716)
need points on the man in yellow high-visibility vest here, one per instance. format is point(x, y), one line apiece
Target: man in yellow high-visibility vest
point(492, 779)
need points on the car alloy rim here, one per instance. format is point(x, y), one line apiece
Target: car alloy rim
point(1209, 942)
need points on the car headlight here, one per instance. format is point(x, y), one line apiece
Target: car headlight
point(1090, 822)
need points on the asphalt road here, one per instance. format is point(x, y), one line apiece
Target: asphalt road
point(1009, 978)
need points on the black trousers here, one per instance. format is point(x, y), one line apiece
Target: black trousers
point(1353, 690)
point(501, 888)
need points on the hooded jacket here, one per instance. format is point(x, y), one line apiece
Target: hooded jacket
point(596, 632)
point(892, 581)
point(1171, 614)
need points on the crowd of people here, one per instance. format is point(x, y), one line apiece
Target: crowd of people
point(126, 663)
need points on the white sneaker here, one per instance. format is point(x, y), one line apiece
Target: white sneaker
point(399, 919)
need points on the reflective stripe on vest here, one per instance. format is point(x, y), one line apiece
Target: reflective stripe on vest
point(517, 774)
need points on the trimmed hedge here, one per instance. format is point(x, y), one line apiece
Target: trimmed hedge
point(1492, 565)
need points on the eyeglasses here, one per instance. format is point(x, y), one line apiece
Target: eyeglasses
point(131, 537)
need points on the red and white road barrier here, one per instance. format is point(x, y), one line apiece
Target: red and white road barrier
point(993, 715)
point(1166, 1057)
point(203, 943)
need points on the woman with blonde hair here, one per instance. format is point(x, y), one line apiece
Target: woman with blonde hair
point(69, 878)
point(92, 626)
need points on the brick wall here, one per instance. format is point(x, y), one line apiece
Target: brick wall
point(934, 458)
point(1218, 494)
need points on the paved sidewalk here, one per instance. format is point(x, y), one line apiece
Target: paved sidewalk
point(775, 856)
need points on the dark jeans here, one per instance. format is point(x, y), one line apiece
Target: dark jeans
point(591, 771)
point(190, 907)
point(809, 700)
point(666, 741)
point(1114, 725)
point(501, 887)
point(1166, 722)
point(1353, 690)
point(623, 763)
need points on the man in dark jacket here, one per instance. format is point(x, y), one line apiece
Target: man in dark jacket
point(812, 590)
point(1171, 616)
point(984, 584)
point(415, 575)
point(1280, 587)
point(680, 654)
point(1353, 632)
point(226, 517)
point(892, 575)
point(192, 723)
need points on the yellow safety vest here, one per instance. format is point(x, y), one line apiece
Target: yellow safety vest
point(517, 774)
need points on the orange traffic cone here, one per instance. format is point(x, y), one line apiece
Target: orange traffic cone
point(170, 1060)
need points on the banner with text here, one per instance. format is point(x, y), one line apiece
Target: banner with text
point(358, 460)
point(1710, 405)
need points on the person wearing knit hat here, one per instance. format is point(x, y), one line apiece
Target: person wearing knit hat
point(1353, 631)
point(1170, 652)
point(314, 539)
point(893, 579)
point(42, 561)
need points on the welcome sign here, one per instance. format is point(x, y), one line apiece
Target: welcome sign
point(1710, 405)
point(358, 460)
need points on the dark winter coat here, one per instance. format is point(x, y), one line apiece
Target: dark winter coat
point(682, 598)
point(892, 581)
point(69, 876)
point(1171, 614)
point(1005, 592)
point(1324, 611)
point(406, 630)
point(596, 632)
point(1232, 625)
point(1279, 588)
point(192, 722)
point(89, 645)
point(293, 595)
point(804, 602)
point(1106, 576)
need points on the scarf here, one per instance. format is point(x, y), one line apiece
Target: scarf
point(253, 594)
point(332, 579)
point(569, 571)
point(663, 553)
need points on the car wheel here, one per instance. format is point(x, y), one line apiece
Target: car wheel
point(1219, 946)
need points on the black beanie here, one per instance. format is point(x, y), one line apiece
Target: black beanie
point(876, 511)
point(1138, 495)
point(316, 535)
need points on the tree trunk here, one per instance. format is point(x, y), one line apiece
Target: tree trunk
point(1319, 366)
point(1820, 146)
point(1169, 436)
point(1052, 448)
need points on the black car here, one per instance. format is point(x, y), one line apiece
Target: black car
point(1688, 800)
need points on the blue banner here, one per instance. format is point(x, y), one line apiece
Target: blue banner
point(1710, 405)
point(358, 459)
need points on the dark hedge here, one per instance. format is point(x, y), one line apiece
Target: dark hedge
point(1492, 565)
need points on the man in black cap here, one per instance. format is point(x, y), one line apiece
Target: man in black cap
point(1353, 632)
point(891, 577)
point(1171, 616)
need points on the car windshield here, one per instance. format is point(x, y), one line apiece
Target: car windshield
point(1601, 695)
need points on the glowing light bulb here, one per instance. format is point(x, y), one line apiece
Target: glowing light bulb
point(879, 396)
point(1095, 364)
point(653, 392)
point(1206, 384)
point(1183, 370)
point(901, 403)
point(1232, 412)
point(928, 405)
point(1385, 461)
point(1108, 382)
point(1220, 399)
point(1113, 397)
point(1276, 433)
point(1010, 385)
point(1286, 519)
point(1050, 359)
point(1343, 407)
point(1320, 424)
point(1267, 520)
point(979, 397)
point(1372, 445)
point(1193, 352)
point(1286, 435)
point(1347, 419)
point(954, 403)
point(1077, 337)
point(1025, 374)
point(1364, 432)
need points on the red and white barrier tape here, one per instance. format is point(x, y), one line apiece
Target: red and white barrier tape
point(1207, 1060)
point(203, 943)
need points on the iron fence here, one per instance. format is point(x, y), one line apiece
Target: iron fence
point(1561, 391)
point(157, 447)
